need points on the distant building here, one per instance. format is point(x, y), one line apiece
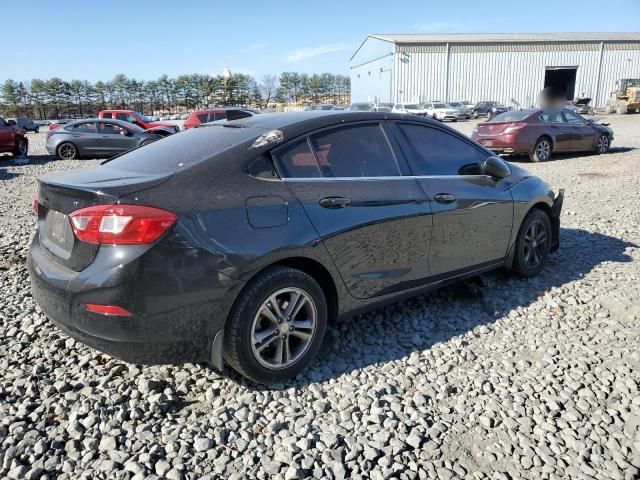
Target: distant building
point(505, 67)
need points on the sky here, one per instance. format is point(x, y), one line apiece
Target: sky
point(82, 40)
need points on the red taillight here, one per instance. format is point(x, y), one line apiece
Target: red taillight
point(108, 310)
point(514, 126)
point(36, 205)
point(121, 224)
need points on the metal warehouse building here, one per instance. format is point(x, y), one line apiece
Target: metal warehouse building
point(503, 67)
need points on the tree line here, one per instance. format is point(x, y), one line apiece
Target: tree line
point(57, 98)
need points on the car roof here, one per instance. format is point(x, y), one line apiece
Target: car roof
point(298, 123)
point(113, 121)
point(223, 109)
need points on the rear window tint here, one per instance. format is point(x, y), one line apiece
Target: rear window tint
point(183, 150)
point(297, 161)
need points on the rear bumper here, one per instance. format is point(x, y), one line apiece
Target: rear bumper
point(179, 330)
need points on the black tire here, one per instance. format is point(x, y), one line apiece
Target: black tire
point(37, 130)
point(532, 250)
point(240, 350)
point(21, 148)
point(67, 151)
point(603, 144)
point(542, 150)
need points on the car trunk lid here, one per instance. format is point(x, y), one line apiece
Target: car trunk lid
point(492, 128)
point(61, 194)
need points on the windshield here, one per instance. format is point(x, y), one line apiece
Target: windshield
point(513, 116)
point(439, 105)
point(495, 104)
point(142, 117)
point(412, 106)
point(455, 104)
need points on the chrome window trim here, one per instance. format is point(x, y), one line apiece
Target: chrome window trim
point(401, 177)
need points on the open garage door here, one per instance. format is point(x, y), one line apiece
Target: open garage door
point(562, 77)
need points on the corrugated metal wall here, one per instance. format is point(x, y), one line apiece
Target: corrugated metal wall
point(506, 71)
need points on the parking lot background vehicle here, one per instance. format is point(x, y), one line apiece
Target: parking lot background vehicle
point(97, 138)
point(539, 133)
point(441, 111)
point(215, 114)
point(487, 108)
point(136, 118)
point(12, 138)
point(27, 125)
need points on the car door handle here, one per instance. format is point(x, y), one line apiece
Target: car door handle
point(444, 198)
point(334, 202)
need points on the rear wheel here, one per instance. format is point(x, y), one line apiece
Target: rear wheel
point(277, 326)
point(533, 244)
point(67, 151)
point(541, 150)
point(21, 147)
point(603, 144)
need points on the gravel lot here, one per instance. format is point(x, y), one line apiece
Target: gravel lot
point(499, 378)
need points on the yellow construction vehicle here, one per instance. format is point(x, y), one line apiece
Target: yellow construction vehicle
point(626, 97)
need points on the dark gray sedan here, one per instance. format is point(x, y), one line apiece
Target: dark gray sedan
point(241, 241)
point(96, 137)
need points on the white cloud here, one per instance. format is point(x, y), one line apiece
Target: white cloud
point(306, 53)
point(441, 27)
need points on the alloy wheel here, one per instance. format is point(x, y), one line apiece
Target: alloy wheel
point(283, 328)
point(543, 149)
point(535, 244)
point(603, 143)
point(67, 151)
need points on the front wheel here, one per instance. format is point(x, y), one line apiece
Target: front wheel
point(277, 326)
point(533, 244)
point(541, 151)
point(603, 144)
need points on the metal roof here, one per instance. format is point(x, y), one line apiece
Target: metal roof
point(507, 37)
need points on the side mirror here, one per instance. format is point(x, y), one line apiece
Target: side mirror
point(496, 167)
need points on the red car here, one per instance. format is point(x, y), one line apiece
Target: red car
point(213, 114)
point(13, 139)
point(538, 133)
point(137, 118)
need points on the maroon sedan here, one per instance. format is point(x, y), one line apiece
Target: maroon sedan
point(538, 133)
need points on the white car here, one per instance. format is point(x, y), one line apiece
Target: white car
point(441, 111)
point(464, 111)
point(410, 108)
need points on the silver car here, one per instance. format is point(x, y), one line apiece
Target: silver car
point(463, 110)
point(97, 137)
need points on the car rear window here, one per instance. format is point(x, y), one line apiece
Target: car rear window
point(513, 116)
point(183, 150)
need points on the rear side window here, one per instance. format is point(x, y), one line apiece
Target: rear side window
point(552, 117)
point(217, 116)
point(107, 115)
point(355, 151)
point(203, 117)
point(431, 151)
point(237, 114)
point(297, 161)
point(88, 127)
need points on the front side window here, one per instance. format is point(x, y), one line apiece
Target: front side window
point(355, 151)
point(431, 151)
point(573, 118)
